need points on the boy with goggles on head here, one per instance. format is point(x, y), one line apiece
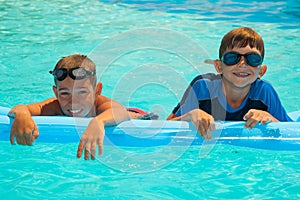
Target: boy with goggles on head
point(77, 94)
point(236, 93)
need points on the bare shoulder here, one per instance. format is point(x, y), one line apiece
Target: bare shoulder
point(104, 103)
point(102, 99)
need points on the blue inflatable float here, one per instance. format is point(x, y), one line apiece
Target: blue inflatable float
point(145, 133)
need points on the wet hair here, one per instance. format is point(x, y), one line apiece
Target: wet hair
point(77, 60)
point(241, 37)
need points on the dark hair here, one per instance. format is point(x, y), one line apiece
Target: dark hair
point(241, 37)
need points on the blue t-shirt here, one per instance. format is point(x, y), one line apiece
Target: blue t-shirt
point(205, 93)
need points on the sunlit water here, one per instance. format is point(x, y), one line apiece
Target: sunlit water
point(147, 52)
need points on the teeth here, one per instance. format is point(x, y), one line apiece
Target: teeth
point(75, 111)
point(243, 73)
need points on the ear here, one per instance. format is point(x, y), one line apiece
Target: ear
point(54, 88)
point(262, 71)
point(218, 66)
point(99, 88)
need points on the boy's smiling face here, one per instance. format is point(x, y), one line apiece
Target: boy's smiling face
point(76, 97)
point(240, 75)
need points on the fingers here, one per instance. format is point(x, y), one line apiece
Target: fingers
point(20, 139)
point(250, 123)
point(80, 149)
point(212, 127)
point(266, 120)
point(23, 138)
point(201, 130)
point(24, 135)
point(203, 122)
point(207, 134)
point(248, 115)
point(93, 150)
point(100, 147)
point(12, 137)
point(28, 139)
point(205, 127)
point(35, 133)
point(254, 117)
point(89, 149)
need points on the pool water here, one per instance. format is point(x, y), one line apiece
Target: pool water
point(146, 52)
point(50, 171)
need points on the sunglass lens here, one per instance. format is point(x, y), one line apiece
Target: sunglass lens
point(254, 59)
point(231, 58)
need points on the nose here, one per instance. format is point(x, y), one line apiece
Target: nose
point(75, 99)
point(242, 62)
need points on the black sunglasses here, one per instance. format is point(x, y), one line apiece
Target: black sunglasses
point(77, 73)
point(232, 58)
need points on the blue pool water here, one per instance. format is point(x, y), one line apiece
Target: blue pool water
point(147, 52)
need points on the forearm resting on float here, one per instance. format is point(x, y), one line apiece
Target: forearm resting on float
point(112, 113)
point(47, 107)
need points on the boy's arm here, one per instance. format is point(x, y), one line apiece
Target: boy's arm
point(48, 107)
point(23, 128)
point(110, 113)
point(275, 112)
point(171, 116)
point(203, 122)
point(254, 117)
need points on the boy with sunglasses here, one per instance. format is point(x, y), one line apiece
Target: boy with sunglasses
point(77, 94)
point(236, 93)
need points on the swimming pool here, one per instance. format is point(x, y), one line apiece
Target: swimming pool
point(33, 38)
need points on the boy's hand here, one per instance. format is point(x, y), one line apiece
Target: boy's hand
point(254, 116)
point(23, 128)
point(91, 137)
point(203, 122)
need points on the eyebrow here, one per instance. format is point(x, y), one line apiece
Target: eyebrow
point(79, 88)
point(60, 89)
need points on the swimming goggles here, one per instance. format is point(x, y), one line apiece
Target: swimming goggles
point(77, 73)
point(232, 58)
